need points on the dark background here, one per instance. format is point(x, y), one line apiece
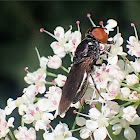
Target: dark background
point(19, 32)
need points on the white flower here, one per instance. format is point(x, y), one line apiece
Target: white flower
point(44, 121)
point(97, 124)
point(29, 94)
point(73, 42)
point(60, 132)
point(53, 95)
point(58, 48)
point(134, 95)
point(43, 62)
point(125, 92)
point(133, 46)
point(129, 114)
point(111, 108)
point(11, 105)
point(111, 23)
point(129, 132)
point(37, 78)
point(101, 77)
point(114, 89)
point(60, 80)
point(54, 62)
point(4, 125)
point(116, 49)
point(132, 79)
point(25, 134)
point(136, 65)
point(32, 113)
point(116, 73)
point(62, 38)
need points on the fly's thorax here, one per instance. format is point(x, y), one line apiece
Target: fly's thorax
point(89, 47)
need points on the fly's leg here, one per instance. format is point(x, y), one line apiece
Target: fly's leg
point(96, 86)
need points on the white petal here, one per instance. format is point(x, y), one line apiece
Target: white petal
point(125, 92)
point(111, 23)
point(80, 121)
point(129, 133)
point(59, 32)
point(100, 133)
point(28, 119)
point(117, 129)
point(113, 60)
point(11, 105)
point(54, 62)
point(48, 136)
point(132, 79)
point(84, 133)
point(11, 121)
point(94, 113)
point(71, 138)
point(43, 62)
point(135, 120)
point(40, 125)
point(91, 125)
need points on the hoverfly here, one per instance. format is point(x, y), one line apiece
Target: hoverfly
point(85, 58)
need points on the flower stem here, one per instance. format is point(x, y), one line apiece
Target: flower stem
point(80, 109)
point(65, 69)
point(70, 54)
point(77, 129)
point(50, 83)
point(125, 104)
point(51, 74)
point(117, 116)
point(22, 122)
point(125, 85)
point(11, 135)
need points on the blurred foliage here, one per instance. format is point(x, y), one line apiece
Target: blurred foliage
point(20, 23)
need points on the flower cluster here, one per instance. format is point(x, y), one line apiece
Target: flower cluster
point(112, 98)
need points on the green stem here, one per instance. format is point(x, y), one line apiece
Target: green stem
point(129, 101)
point(125, 104)
point(63, 68)
point(2, 139)
point(11, 135)
point(80, 109)
point(117, 116)
point(125, 85)
point(70, 54)
point(22, 122)
point(136, 105)
point(49, 83)
point(51, 74)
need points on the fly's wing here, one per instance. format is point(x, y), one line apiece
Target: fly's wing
point(73, 85)
point(82, 89)
point(81, 51)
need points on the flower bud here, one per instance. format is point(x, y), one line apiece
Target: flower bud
point(132, 79)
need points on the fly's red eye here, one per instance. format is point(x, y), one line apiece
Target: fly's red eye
point(100, 34)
